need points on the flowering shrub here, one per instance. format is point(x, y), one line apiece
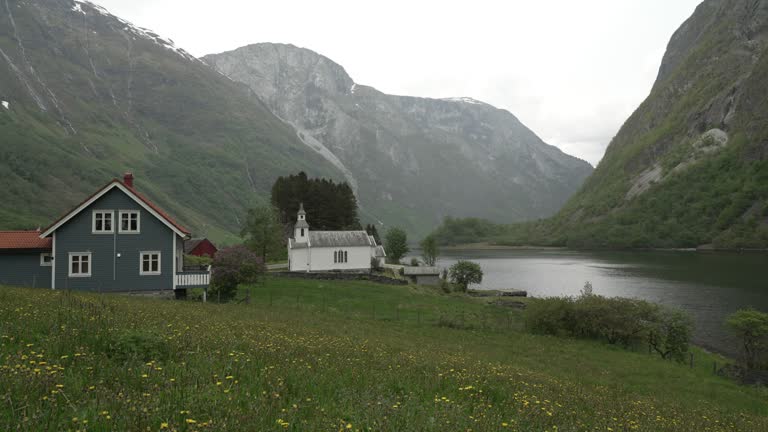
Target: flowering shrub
point(233, 266)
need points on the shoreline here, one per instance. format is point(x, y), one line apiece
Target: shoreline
point(491, 246)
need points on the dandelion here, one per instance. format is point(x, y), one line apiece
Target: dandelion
point(164, 425)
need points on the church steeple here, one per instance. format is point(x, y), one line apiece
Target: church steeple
point(301, 230)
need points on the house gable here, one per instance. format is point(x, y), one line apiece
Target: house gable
point(131, 193)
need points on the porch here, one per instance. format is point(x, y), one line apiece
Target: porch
point(193, 278)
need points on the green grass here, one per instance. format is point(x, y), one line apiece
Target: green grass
point(130, 363)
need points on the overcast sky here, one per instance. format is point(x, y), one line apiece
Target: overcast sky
point(572, 71)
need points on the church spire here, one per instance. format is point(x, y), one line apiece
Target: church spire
point(301, 230)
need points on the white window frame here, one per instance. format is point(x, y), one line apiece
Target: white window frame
point(159, 271)
point(111, 214)
point(120, 221)
point(80, 267)
point(43, 262)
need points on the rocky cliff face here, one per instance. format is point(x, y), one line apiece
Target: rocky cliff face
point(690, 166)
point(412, 160)
point(85, 96)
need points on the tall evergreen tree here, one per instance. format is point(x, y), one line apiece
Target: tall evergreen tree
point(329, 205)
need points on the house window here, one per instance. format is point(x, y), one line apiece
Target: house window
point(80, 264)
point(149, 264)
point(46, 259)
point(129, 222)
point(102, 222)
point(340, 257)
point(302, 232)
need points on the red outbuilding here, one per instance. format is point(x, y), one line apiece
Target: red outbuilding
point(200, 247)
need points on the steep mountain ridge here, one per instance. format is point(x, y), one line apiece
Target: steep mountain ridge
point(412, 160)
point(86, 95)
point(690, 166)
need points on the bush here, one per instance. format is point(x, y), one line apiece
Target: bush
point(396, 245)
point(553, 316)
point(617, 321)
point(752, 328)
point(464, 273)
point(669, 333)
point(414, 262)
point(234, 266)
point(429, 250)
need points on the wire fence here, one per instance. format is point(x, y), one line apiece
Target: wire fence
point(500, 319)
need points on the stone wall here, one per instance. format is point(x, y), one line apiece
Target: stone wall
point(342, 276)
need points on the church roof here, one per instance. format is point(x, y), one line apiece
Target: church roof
point(302, 224)
point(338, 239)
point(335, 239)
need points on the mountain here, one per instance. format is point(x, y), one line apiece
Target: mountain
point(413, 161)
point(690, 166)
point(85, 96)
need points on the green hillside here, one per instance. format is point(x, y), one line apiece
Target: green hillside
point(91, 96)
point(689, 168)
point(322, 355)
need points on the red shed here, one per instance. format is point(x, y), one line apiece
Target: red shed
point(200, 247)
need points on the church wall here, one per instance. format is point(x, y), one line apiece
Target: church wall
point(358, 258)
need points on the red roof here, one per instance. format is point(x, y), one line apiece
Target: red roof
point(155, 208)
point(23, 240)
point(137, 194)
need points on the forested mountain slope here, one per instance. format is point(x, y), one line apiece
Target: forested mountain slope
point(85, 96)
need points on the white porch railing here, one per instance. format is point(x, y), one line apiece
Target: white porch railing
point(193, 279)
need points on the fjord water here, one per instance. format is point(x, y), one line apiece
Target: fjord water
point(710, 286)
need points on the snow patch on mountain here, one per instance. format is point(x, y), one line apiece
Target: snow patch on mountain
point(464, 100)
point(5, 105)
point(136, 30)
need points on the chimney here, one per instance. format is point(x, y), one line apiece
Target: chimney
point(128, 179)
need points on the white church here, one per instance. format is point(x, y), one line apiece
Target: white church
point(322, 251)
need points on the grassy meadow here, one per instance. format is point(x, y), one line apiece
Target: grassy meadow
point(335, 356)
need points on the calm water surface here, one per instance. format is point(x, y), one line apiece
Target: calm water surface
point(709, 286)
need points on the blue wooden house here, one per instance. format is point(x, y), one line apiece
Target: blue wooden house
point(116, 240)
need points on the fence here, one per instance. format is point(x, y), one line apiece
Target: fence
point(484, 318)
